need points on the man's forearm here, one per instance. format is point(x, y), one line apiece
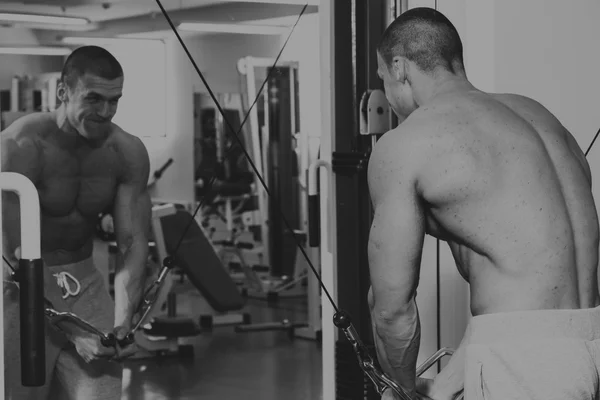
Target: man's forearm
point(397, 343)
point(129, 283)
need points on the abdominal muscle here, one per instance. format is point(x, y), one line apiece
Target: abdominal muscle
point(67, 239)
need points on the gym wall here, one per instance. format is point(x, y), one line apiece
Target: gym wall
point(217, 57)
point(142, 109)
point(303, 47)
point(177, 183)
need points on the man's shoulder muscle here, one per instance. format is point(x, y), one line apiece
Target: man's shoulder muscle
point(398, 157)
point(134, 155)
point(20, 144)
point(530, 110)
point(411, 143)
point(544, 120)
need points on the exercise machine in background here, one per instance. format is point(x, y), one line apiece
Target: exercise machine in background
point(241, 221)
point(224, 182)
point(219, 301)
point(274, 124)
point(280, 153)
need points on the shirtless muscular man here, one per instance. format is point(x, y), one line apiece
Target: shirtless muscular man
point(502, 181)
point(81, 163)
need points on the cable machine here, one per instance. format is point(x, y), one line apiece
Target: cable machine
point(356, 91)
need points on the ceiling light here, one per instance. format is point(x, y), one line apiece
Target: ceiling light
point(232, 28)
point(43, 19)
point(35, 50)
point(290, 2)
point(82, 40)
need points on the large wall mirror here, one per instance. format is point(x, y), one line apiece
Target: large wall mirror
point(225, 97)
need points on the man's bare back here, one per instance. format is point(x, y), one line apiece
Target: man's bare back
point(511, 194)
point(74, 179)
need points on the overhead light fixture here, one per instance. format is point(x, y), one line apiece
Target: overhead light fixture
point(159, 35)
point(232, 28)
point(290, 2)
point(82, 40)
point(35, 50)
point(42, 19)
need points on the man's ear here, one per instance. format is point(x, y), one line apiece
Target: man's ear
point(400, 69)
point(62, 93)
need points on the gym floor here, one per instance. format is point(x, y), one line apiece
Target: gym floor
point(229, 365)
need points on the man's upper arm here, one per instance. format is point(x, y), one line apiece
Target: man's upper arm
point(398, 229)
point(132, 209)
point(578, 151)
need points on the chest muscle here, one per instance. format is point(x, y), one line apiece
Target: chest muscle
point(82, 183)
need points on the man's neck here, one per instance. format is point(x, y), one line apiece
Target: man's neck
point(60, 115)
point(68, 133)
point(442, 84)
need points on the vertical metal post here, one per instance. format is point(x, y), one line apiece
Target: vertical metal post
point(246, 67)
point(1, 297)
point(358, 25)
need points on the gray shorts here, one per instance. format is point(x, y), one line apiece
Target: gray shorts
point(67, 375)
point(535, 355)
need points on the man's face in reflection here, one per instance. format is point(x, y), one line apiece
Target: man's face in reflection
point(92, 103)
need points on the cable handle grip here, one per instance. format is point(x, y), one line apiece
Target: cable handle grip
point(127, 340)
point(32, 322)
point(109, 340)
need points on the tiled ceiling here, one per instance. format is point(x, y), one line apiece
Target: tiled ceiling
point(112, 18)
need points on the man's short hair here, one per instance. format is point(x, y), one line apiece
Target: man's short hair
point(93, 60)
point(424, 36)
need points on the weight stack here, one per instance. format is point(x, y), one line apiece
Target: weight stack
point(351, 383)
